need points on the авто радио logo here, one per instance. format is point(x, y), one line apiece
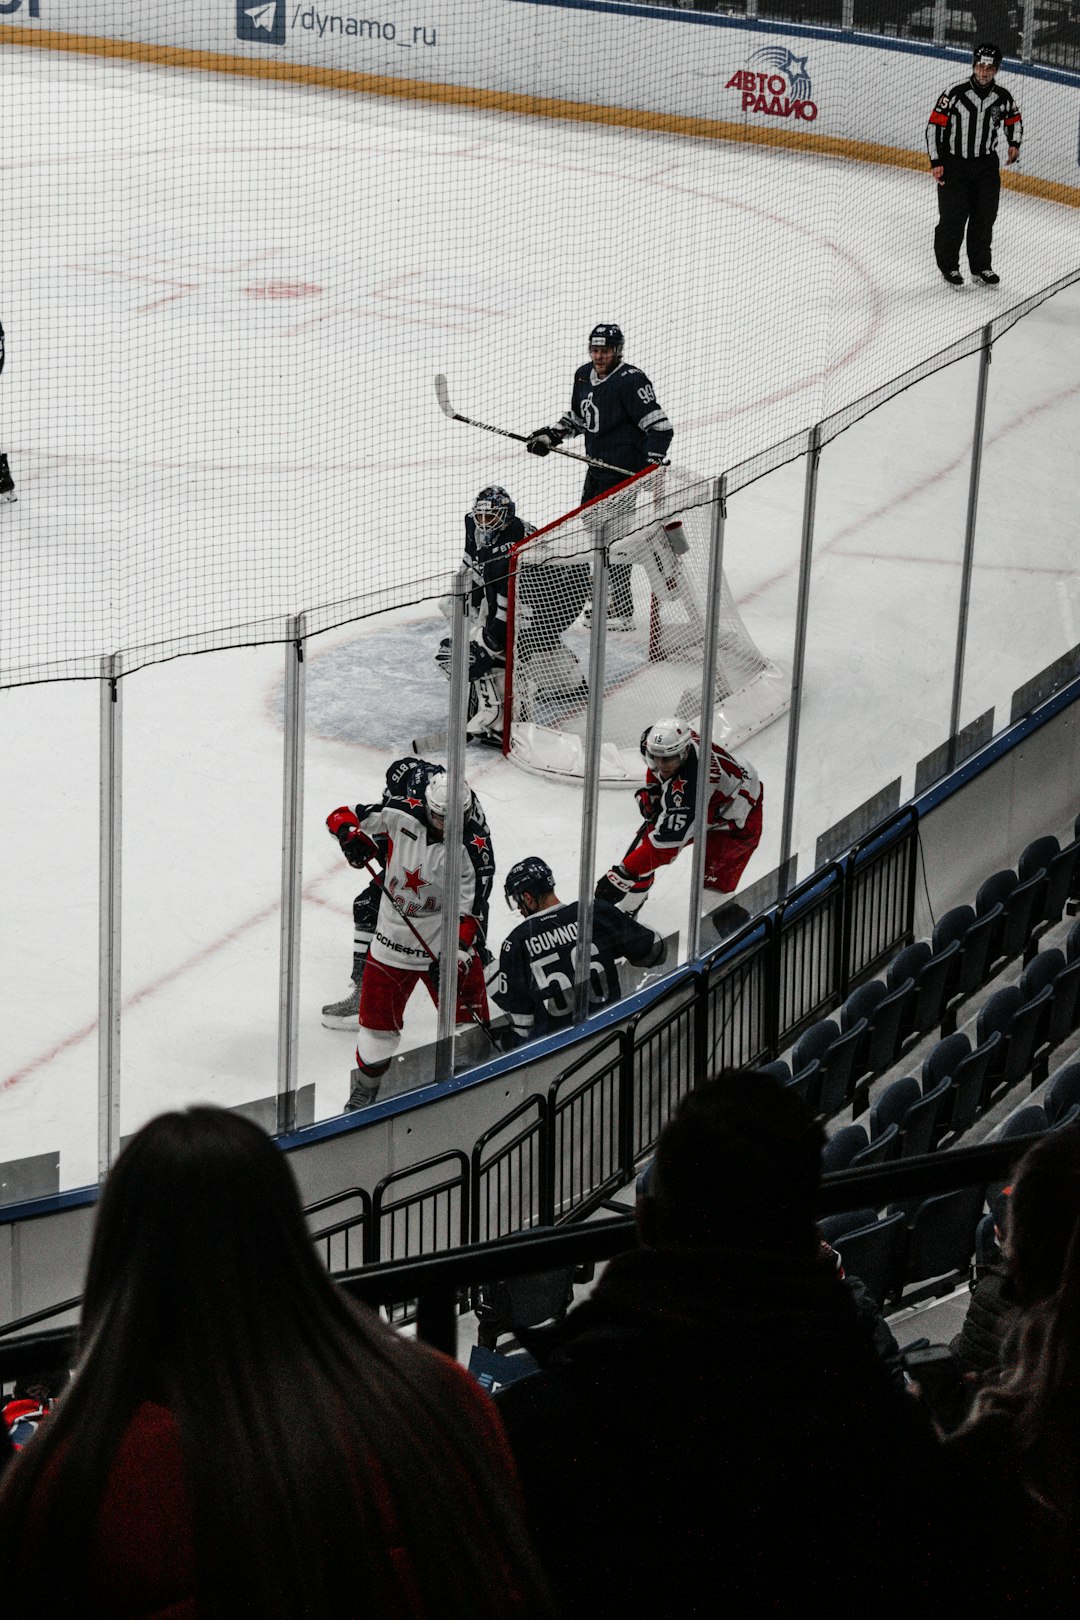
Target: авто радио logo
point(775, 82)
point(262, 23)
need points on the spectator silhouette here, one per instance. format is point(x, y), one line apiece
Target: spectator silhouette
point(712, 1431)
point(241, 1440)
point(1024, 1428)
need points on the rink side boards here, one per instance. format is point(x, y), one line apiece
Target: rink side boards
point(1050, 97)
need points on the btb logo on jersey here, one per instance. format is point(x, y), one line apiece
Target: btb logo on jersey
point(262, 23)
point(775, 82)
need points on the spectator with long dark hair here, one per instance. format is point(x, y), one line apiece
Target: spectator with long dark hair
point(242, 1440)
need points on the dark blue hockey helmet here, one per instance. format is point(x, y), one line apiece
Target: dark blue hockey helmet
point(607, 336)
point(492, 509)
point(530, 876)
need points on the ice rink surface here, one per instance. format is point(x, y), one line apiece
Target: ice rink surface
point(225, 305)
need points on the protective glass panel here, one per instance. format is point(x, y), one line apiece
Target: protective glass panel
point(49, 939)
point(201, 885)
point(761, 565)
point(883, 603)
point(1024, 628)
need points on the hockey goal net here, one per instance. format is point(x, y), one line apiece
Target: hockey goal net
point(658, 530)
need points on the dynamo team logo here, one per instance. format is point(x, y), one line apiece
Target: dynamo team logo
point(262, 23)
point(775, 82)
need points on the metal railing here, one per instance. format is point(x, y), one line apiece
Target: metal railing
point(438, 1283)
point(558, 1156)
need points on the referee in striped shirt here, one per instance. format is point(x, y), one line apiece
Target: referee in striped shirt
point(961, 139)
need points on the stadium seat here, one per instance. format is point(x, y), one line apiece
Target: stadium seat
point(892, 1106)
point(881, 1149)
point(941, 1241)
point(873, 1253)
point(778, 1070)
point(921, 1123)
point(1030, 1120)
point(1069, 1117)
point(1017, 1021)
point(1022, 910)
point(1072, 941)
point(833, 1227)
point(932, 973)
point(1065, 1012)
point(842, 1147)
point(804, 1082)
point(1059, 864)
point(941, 1060)
point(970, 1084)
point(882, 1008)
point(836, 1054)
point(522, 1302)
point(1062, 1091)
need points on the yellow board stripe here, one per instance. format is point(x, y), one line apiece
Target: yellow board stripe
point(453, 95)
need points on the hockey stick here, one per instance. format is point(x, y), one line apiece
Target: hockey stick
point(442, 394)
point(418, 936)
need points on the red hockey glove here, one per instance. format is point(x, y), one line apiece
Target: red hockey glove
point(648, 802)
point(356, 846)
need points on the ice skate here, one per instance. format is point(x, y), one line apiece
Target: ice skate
point(953, 277)
point(989, 278)
point(363, 1093)
point(7, 483)
point(343, 1014)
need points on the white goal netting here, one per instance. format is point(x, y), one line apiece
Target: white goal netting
point(658, 536)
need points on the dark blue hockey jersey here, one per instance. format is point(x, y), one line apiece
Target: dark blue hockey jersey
point(619, 416)
point(536, 964)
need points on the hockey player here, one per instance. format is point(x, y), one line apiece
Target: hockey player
point(7, 483)
point(961, 140)
point(492, 529)
point(409, 926)
point(614, 405)
point(536, 963)
point(409, 776)
point(667, 803)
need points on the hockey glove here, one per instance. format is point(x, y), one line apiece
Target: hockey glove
point(614, 886)
point(659, 477)
point(543, 441)
point(356, 846)
point(648, 802)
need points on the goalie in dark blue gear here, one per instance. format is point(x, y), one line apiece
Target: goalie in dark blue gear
point(492, 530)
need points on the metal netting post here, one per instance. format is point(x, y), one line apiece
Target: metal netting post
point(813, 454)
point(705, 724)
point(594, 724)
point(292, 861)
point(967, 566)
point(452, 828)
point(109, 870)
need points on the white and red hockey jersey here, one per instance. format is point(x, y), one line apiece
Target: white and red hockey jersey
point(415, 878)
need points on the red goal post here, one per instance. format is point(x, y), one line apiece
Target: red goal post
point(658, 525)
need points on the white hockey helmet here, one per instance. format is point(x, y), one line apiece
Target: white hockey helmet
point(436, 795)
point(666, 739)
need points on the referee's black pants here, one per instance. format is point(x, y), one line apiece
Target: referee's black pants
point(967, 199)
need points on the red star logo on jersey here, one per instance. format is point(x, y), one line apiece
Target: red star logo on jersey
point(477, 842)
point(678, 784)
point(414, 881)
point(414, 804)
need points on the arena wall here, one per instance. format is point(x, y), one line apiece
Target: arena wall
point(670, 71)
